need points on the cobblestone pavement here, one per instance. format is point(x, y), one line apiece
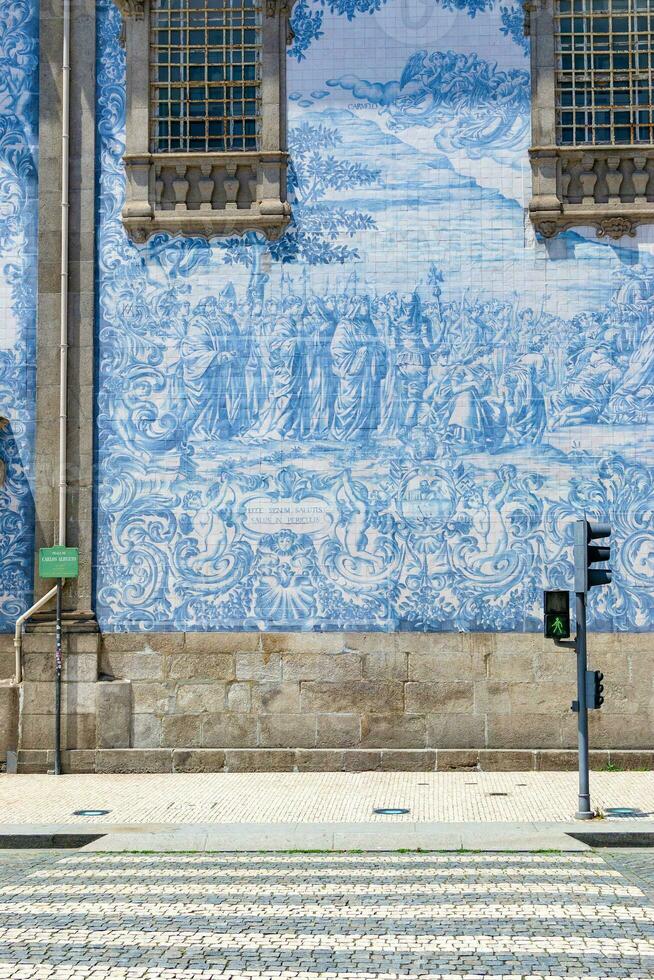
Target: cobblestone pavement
point(338, 916)
point(18, 863)
point(636, 864)
point(188, 798)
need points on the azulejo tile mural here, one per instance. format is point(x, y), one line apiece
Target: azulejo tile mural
point(389, 418)
point(18, 216)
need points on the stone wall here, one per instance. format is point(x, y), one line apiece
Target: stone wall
point(7, 658)
point(240, 701)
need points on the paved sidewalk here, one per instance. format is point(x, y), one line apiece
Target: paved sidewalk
point(339, 917)
point(312, 798)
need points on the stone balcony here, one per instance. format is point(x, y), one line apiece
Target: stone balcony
point(610, 188)
point(206, 194)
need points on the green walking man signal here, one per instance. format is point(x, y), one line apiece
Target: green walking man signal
point(557, 615)
point(557, 627)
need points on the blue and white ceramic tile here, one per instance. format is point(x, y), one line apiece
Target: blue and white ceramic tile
point(18, 216)
point(388, 419)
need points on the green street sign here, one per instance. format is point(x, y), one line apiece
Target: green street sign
point(58, 562)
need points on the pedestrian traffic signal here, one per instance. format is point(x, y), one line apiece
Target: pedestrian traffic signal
point(587, 554)
point(557, 614)
point(594, 689)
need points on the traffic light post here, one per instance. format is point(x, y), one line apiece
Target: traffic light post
point(586, 554)
point(584, 811)
point(557, 627)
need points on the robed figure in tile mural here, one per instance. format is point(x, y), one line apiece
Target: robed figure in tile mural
point(414, 345)
point(524, 400)
point(285, 413)
point(359, 363)
point(319, 327)
point(211, 353)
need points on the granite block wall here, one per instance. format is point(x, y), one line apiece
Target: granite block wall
point(375, 691)
point(338, 701)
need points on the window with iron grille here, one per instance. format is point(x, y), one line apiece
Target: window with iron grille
point(592, 115)
point(604, 71)
point(205, 136)
point(205, 75)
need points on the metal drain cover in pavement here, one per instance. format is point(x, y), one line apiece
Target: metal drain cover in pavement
point(391, 811)
point(623, 811)
point(90, 813)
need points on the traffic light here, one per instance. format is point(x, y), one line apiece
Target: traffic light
point(587, 554)
point(594, 688)
point(557, 615)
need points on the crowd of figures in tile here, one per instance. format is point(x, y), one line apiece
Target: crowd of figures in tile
point(353, 366)
point(390, 527)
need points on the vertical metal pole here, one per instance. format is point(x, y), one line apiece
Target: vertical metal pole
point(64, 276)
point(584, 811)
point(58, 667)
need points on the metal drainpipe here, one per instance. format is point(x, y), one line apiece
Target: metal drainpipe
point(18, 635)
point(63, 327)
point(63, 317)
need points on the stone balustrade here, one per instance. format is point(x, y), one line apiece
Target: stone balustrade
point(610, 188)
point(206, 194)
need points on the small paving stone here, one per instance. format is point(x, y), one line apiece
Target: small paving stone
point(333, 797)
point(339, 916)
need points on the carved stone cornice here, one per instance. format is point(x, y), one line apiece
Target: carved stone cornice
point(194, 227)
point(617, 227)
point(281, 7)
point(612, 227)
point(609, 188)
point(131, 8)
point(530, 7)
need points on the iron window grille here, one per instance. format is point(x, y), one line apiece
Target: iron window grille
point(604, 65)
point(205, 75)
point(592, 115)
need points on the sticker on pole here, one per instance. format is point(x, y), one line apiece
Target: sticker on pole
point(59, 562)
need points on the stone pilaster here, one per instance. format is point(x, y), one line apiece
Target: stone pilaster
point(79, 533)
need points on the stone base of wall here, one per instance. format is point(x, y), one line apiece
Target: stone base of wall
point(8, 719)
point(328, 701)
point(327, 760)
